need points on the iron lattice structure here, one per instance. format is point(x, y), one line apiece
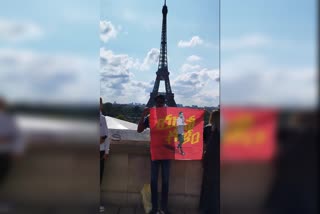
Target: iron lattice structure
point(163, 72)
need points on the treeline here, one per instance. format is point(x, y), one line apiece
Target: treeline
point(125, 112)
point(132, 113)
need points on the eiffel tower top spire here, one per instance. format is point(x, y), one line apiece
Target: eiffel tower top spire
point(163, 72)
point(163, 61)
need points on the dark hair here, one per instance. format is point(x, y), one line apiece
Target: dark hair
point(160, 96)
point(213, 115)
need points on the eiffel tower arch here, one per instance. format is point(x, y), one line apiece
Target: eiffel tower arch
point(163, 72)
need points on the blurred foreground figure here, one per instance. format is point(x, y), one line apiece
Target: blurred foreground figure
point(104, 147)
point(294, 188)
point(10, 146)
point(210, 190)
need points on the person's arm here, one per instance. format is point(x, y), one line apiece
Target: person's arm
point(107, 144)
point(106, 149)
point(103, 129)
point(141, 124)
point(102, 139)
point(16, 138)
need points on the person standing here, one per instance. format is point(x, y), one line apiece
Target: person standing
point(156, 164)
point(210, 190)
point(180, 127)
point(11, 147)
point(104, 146)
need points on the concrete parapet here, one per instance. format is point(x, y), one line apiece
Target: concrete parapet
point(69, 171)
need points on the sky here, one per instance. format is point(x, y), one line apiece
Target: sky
point(49, 51)
point(69, 51)
point(130, 43)
point(268, 53)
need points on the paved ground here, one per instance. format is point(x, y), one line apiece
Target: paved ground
point(39, 208)
point(56, 209)
point(140, 210)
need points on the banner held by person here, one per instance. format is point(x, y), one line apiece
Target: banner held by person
point(176, 133)
point(249, 134)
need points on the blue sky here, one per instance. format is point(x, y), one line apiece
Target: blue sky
point(193, 65)
point(291, 24)
point(268, 54)
point(49, 51)
point(67, 26)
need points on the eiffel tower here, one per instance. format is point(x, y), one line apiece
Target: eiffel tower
point(163, 73)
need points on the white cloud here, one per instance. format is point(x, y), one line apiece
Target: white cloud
point(247, 41)
point(193, 58)
point(197, 85)
point(116, 73)
point(107, 31)
point(195, 40)
point(193, 85)
point(189, 68)
point(254, 80)
point(115, 63)
point(16, 31)
point(152, 58)
point(33, 76)
point(126, 92)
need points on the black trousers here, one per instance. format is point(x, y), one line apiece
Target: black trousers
point(101, 165)
point(5, 166)
point(210, 192)
point(165, 172)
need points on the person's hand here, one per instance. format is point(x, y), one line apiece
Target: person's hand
point(141, 125)
point(102, 139)
point(145, 112)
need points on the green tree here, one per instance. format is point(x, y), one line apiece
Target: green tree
point(121, 117)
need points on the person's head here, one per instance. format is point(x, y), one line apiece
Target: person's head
point(215, 119)
point(181, 114)
point(101, 103)
point(211, 118)
point(160, 100)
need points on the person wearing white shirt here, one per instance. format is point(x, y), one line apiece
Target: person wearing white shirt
point(180, 127)
point(104, 145)
point(11, 146)
point(11, 142)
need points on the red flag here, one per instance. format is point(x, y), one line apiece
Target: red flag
point(248, 134)
point(165, 136)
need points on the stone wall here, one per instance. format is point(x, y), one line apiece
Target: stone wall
point(127, 170)
point(69, 172)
